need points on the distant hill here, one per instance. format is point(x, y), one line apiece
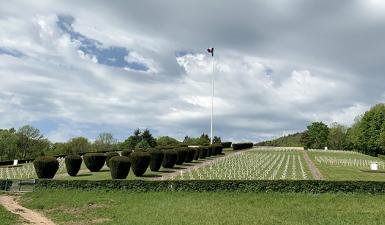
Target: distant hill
point(291, 140)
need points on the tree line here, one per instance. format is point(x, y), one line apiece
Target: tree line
point(365, 135)
point(27, 142)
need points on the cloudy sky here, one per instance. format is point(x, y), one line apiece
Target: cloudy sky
point(79, 68)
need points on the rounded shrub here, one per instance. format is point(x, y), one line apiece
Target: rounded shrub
point(190, 155)
point(216, 149)
point(226, 144)
point(156, 159)
point(126, 152)
point(203, 152)
point(139, 162)
point(169, 158)
point(120, 166)
point(209, 152)
point(46, 166)
point(73, 164)
point(181, 156)
point(94, 161)
point(197, 152)
point(109, 155)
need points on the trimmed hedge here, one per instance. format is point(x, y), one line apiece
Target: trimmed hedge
point(169, 158)
point(209, 151)
point(46, 166)
point(197, 152)
point(190, 155)
point(73, 164)
point(94, 161)
point(226, 144)
point(203, 152)
point(139, 162)
point(126, 152)
point(120, 167)
point(216, 149)
point(305, 186)
point(5, 185)
point(181, 157)
point(241, 146)
point(156, 159)
point(109, 155)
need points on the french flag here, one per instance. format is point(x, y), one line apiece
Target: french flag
point(211, 50)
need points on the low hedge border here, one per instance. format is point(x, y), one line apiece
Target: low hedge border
point(306, 186)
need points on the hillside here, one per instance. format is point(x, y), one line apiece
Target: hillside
point(291, 140)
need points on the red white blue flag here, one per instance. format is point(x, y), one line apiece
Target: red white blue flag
point(211, 50)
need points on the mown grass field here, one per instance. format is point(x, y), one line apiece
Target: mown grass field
point(340, 165)
point(211, 208)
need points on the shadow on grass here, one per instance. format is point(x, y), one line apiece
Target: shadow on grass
point(167, 171)
point(151, 175)
point(104, 170)
point(179, 168)
point(84, 175)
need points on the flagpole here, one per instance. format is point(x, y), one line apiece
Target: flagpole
point(212, 100)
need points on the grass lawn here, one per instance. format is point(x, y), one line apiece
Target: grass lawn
point(345, 172)
point(211, 208)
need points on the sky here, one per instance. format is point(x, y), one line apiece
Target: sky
point(80, 68)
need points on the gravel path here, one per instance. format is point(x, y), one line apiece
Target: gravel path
point(313, 169)
point(33, 218)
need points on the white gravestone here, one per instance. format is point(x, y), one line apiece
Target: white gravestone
point(373, 166)
point(326, 148)
point(15, 162)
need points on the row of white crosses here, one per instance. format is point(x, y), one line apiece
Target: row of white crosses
point(250, 166)
point(362, 163)
point(335, 151)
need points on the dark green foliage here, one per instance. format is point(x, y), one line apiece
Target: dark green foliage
point(5, 185)
point(217, 140)
point(280, 186)
point(73, 164)
point(109, 155)
point(197, 152)
point(133, 140)
point(181, 155)
point(46, 166)
point(209, 151)
point(203, 152)
point(291, 140)
point(120, 166)
point(216, 149)
point(190, 155)
point(316, 136)
point(147, 136)
point(94, 161)
point(202, 140)
point(166, 141)
point(143, 144)
point(139, 162)
point(156, 159)
point(169, 158)
point(226, 144)
point(126, 152)
point(241, 146)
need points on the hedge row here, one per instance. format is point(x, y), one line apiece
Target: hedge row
point(240, 146)
point(226, 144)
point(307, 186)
point(5, 185)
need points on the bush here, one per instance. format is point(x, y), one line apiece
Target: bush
point(209, 153)
point(126, 152)
point(139, 162)
point(181, 156)
point(94, 161)
point(203, 152)
point(226, 144)
point(190, 155)
point(156, 159)
point(46, 166)
point(197, 151)
point(240, 146)
point(73, 164)
point(109, 155)
point(169, 158)
point(216, 149)
point(279, 186)
point(120, 167)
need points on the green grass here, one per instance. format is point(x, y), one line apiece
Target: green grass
point(346, 172)
point(214, 208)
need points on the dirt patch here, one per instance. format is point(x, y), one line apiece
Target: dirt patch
point(34, 218)
point(313, 169)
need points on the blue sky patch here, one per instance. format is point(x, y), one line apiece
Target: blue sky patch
point(107, 55)
point(11, 52)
